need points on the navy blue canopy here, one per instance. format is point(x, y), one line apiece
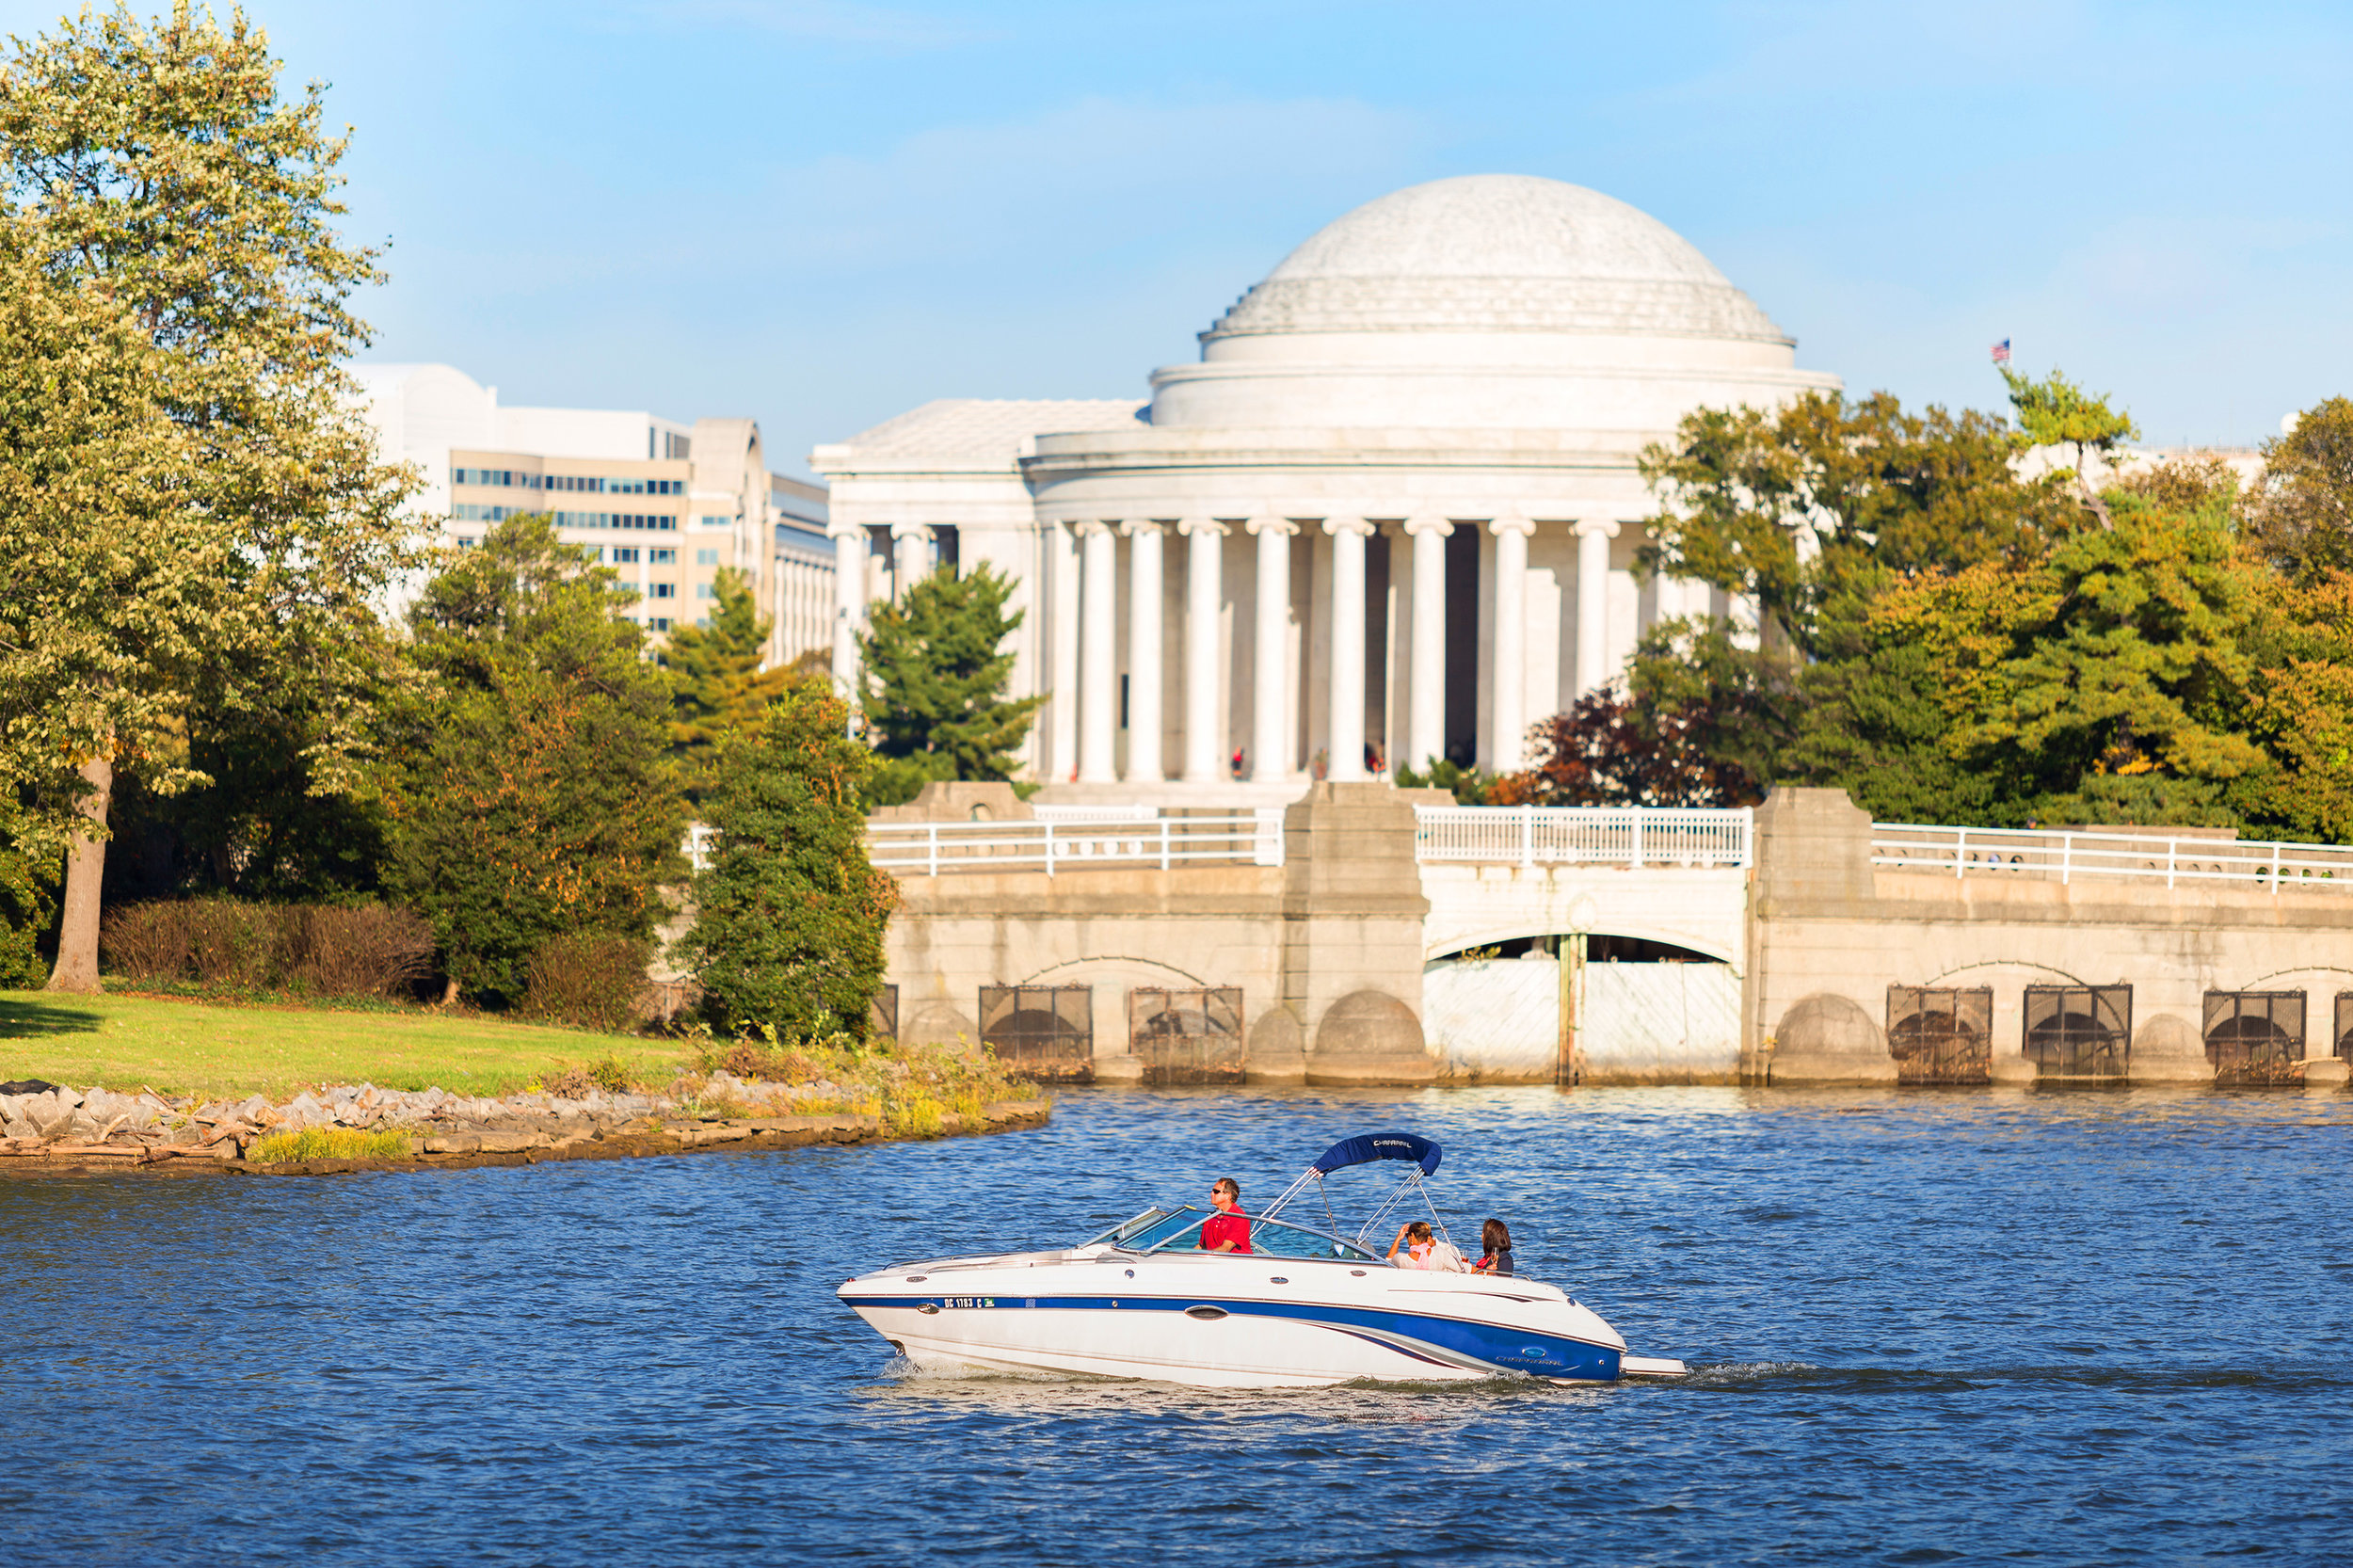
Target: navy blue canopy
point(1368, 1146)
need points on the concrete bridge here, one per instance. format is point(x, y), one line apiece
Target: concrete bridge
point(1372, 935)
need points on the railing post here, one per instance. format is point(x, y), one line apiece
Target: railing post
point(1637, 838)
point(2274, 866)
point(1960, 846)
point(2067, 857)
point(931, 847)
point(1049, 849)
point(1164, 843)
point(2171, 847)
point(1527, 837)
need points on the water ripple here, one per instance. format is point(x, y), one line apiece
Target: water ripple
point(2057, 1328)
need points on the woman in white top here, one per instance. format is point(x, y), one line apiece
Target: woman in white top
point(1423, 1250)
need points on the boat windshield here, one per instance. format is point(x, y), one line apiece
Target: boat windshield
point(1122, 1234)
point(1180, 1231)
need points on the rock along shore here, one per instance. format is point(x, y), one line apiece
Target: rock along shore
point(64, 1132)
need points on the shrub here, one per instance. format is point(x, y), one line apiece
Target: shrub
point(608, 1073)
point(366, 950)
point(145, 941)
point(326, 1142)
point(594, 981)
point(231, 943)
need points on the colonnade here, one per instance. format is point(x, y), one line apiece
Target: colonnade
point(1276, 680)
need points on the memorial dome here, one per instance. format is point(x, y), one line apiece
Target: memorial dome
point(1497, 252)
point(1491, 302)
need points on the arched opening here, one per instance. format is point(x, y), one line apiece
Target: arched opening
point(1941, 1035)
point(2079, 1032)
point(1577, 1007)
point(2255, 1037)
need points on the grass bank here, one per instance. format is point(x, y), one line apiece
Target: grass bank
point(212, 1048)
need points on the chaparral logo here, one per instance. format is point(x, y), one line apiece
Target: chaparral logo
point(1535, 1353)
point(1390, 1144)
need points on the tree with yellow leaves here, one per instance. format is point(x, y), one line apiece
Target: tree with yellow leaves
point(160, 201)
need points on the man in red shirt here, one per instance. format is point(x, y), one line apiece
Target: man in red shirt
point(1228, 1229)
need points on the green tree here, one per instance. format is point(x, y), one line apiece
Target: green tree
point(2055, 412)
point(154, 171)
point(2107, 682)
point(529, 793)
point(1809, 513)
point(789, 915)
point(935, 670)
point(719, 684)
point(2300, 517)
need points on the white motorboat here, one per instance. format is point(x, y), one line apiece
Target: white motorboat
point(1304, 1306)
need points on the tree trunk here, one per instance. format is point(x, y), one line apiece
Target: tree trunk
point(85, 868)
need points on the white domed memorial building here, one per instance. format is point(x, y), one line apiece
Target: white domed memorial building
point(1390, 515)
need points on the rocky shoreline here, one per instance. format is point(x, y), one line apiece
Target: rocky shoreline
point(57, 1130)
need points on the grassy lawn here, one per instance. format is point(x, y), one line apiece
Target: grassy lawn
point(213, 1048)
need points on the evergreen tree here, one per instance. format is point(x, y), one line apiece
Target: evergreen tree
point(788, 914)
point(153, 173)
point(530, 794)
point(936, 673)
point(719, 686)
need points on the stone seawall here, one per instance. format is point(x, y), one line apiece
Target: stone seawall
point(60, 1131)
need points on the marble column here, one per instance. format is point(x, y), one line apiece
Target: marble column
point(1271, 704)
point(1507, 744)
point(1098, 652)
point(1204, 596)
point(849, 604)
point(1593, 602)
point(912, 547)
point(1144, 653)
point(1347, 743)
point(1425, 688)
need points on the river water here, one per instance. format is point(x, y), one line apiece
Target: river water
point(2048, 1327)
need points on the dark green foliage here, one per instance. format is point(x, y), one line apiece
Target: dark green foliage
point(897, 780)
point(789, 915)
point(935, 670)
point(28, 903)
point(718, 684)
point(529, 793)
point(1470, 786)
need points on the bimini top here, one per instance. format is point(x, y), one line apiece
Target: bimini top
point(1368, 1146)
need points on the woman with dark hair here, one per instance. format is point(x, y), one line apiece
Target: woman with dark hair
point(1494, 1237)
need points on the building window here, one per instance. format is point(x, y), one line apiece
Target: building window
point(703, 621)
point(624, 553)
point(706, 557)
point(661, 555)
point(708, 521)
point(705, 590)
point(661, 590)
point(467, 541)
point(659, 623)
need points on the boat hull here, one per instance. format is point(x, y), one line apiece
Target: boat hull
point(1234, 1323)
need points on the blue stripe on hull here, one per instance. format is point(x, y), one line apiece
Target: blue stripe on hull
point(1497, 1345)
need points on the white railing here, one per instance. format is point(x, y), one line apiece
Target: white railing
point(932, 848)
point(1094, 813)
point(1634, 836)
point(2064, 855)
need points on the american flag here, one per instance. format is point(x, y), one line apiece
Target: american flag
point(2001, 352)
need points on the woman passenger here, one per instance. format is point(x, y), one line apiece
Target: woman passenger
point(1423, 1250)
point(1495, 1238)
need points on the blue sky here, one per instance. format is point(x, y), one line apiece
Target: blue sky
point(822, 212)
